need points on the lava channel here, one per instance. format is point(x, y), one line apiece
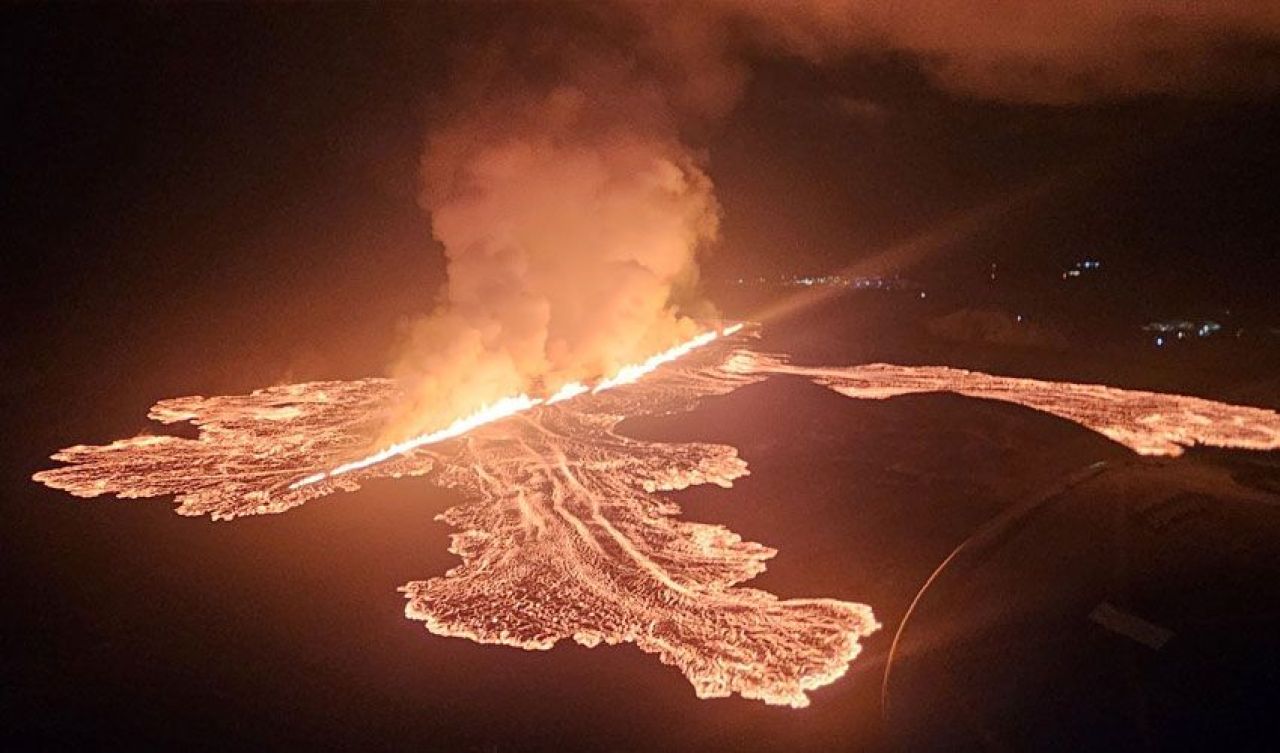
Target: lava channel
point(568, 531)
point(1149, 423)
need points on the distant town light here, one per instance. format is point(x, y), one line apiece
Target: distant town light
point(1082, 266)
point(1181, 328)
point(872, 282)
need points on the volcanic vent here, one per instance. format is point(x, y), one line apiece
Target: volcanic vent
point(567, 532)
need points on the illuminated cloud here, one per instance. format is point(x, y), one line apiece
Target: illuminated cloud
point(1054, 53)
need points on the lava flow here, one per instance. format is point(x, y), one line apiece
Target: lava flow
point(567, 533)
point(1149, 423)
point(509, 406)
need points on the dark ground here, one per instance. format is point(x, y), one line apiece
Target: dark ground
point(129, 627)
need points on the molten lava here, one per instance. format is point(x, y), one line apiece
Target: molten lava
point(509, 406)
point(1149, 423)
point(569, 530)
point(567, 534)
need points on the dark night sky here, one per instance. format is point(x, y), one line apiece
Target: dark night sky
point(254, 170)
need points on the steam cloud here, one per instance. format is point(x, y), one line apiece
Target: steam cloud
point(573, 213)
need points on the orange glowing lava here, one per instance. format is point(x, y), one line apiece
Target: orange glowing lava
point(510, 406)
point(1149, 423)
point(568, 531)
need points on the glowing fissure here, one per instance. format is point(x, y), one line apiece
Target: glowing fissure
point(510, 406)
point(568, 530)
point(629, 374)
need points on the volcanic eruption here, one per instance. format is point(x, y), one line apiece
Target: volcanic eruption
point(568, 531)
point(572, 208)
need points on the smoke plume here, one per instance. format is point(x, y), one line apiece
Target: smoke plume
point(571, 215)
point(572, 212)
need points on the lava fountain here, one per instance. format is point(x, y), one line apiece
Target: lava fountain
point(509, 406)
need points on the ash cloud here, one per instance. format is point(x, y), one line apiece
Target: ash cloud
point(573, 208)
point(571, 215)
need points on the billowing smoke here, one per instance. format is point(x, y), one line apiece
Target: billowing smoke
point(1021, 51)
point(573, 213)
point(571, 216)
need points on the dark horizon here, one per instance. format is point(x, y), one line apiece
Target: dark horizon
point(206, 155)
